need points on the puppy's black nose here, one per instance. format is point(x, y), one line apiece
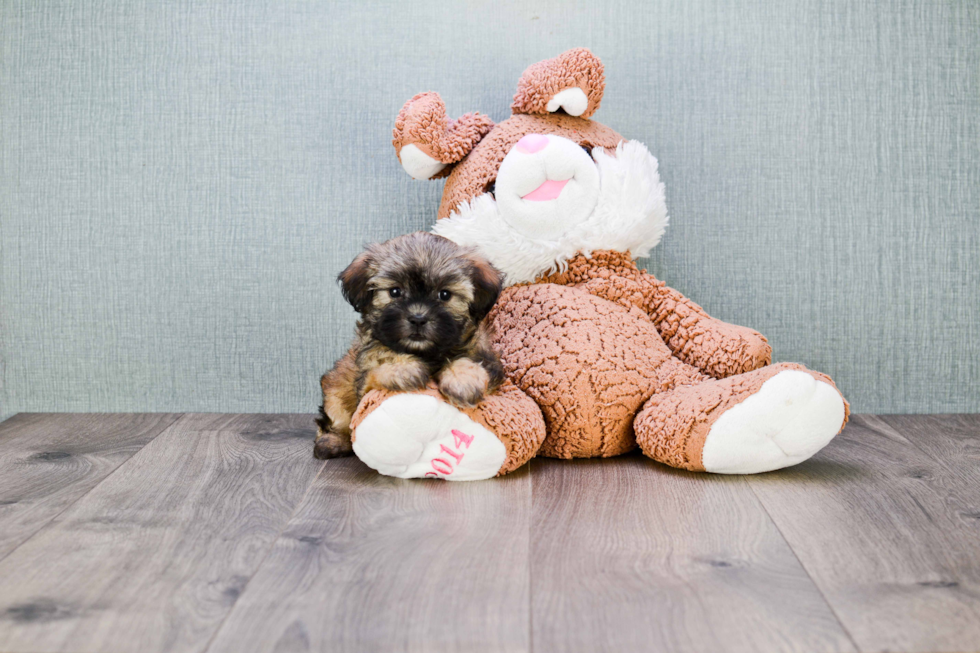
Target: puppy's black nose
point(417, 320)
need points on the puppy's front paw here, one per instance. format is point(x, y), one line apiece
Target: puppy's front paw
point(331, 445)
point(464, 383)
point(400, 377)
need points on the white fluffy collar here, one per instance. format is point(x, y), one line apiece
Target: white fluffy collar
point(630, 215)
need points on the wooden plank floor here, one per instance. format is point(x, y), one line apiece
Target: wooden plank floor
point(222, 533)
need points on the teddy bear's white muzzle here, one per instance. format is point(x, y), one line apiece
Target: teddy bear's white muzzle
point(546, 184)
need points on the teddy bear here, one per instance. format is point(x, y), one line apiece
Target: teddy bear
point(600, 356)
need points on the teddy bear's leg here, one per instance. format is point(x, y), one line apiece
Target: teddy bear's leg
point(420, 435)
point(759, 421)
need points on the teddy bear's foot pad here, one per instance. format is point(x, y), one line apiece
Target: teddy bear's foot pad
point(419, 436)
point(790, 418)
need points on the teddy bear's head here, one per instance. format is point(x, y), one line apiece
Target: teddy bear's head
point(543, 185)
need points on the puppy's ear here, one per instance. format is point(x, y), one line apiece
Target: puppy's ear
point(487, 284)
point(355, 280)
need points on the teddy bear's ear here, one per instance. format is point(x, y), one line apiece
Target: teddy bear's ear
point(427, 142)
point(572, 82)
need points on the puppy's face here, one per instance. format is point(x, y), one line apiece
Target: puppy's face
point(420, 294)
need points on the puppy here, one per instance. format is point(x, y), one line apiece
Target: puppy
point(422, 301)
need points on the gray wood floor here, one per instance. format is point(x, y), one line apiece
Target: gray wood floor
point(221, 533)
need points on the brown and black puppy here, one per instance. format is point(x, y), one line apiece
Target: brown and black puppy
point(422, 301)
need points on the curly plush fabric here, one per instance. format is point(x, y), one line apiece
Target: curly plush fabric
point(717, 348)
point(586, 346)
point(545, 79)
point(589, 363)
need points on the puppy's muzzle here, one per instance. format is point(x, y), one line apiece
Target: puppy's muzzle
point(418, 320)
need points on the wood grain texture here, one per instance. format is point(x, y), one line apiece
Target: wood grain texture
point(154, 557)
point(371, 563)
point(952, 440)
point(889, 533)
point(48, 461)
point(629, 555)
point(223, 534)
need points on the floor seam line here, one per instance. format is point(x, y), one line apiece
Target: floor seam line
point(806, 571)
point(262, 562)
point(48, 523)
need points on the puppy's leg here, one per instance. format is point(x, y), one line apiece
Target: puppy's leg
point(464, 382)
point(490, 361)
point(339, 385)
point(331, 445)
point(332, 441)
point(401, 373)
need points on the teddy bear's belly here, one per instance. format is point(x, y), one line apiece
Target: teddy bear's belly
point(590, 364)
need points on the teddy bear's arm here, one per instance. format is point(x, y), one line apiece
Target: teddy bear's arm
point(716, 348)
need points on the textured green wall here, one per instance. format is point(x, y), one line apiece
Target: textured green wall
point(181, 182)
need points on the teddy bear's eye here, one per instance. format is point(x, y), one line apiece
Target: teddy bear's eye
point(395, 292)
point(444, 295)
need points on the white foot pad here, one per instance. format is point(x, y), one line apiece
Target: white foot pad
point(790, 418)
point(418, 436)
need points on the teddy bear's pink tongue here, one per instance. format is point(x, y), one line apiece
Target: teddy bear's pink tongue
point(549, 190)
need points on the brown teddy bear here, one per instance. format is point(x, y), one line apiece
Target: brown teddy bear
point(600, 356)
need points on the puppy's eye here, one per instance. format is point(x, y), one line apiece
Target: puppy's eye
point(395, 292)
point(444, 295)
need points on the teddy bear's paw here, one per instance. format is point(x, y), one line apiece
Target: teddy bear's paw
point(419, 436)
point(790, 418)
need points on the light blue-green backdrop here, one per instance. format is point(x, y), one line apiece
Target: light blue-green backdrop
point(182, 181)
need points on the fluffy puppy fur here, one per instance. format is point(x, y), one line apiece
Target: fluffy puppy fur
point(422, 301)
